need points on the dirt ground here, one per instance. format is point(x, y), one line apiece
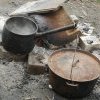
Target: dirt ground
point(15, 83)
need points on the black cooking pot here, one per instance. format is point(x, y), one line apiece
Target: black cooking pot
point(76, 82)
point(19, 34)
point(71, 89)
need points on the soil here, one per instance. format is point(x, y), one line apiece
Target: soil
point(15, 83)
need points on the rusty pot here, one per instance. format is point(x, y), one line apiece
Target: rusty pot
point(78, 83)
point(53, 20)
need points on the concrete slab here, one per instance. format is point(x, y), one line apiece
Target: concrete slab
point(89, 42)
point(35, 66)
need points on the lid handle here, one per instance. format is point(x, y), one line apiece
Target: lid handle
point(74, 64)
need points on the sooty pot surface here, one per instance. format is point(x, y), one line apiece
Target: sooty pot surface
point(18, 35)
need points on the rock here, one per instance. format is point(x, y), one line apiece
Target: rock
point(74, 18)
point(89, 42)
point(45, 61)
point(85, 28)
point(84, 12)
point(42, 51)
point(41, 6)
point(73, 45)
point(50, 86)
point(96, 53)
point(13, 3)
point(51, 46)
point(33, 98)
point(37, 60)
point(35, 66)
point(2, 22)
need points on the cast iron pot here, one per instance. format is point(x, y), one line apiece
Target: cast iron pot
point(19, 34)
point(71, 89)
point(83, 77)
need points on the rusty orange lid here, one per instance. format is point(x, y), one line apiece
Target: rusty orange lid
point(87, 68)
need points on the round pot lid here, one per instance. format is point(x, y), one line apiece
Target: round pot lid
point(86, 66)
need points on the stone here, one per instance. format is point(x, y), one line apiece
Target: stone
point(35, 66)
point(42, 51)
point(50, 86)
point(51, 46)
point(73, 45)
point(85, 28)
point(41, 6)
point(96, 53)
point(89, 42)
point(32, 98)
point(38, 60)
point(84, 12)
point(74, 18)
point(2, 22)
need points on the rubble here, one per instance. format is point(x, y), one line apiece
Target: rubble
point(84, 12)
point(37, 60)
point(2, 22)
point(73, 45)
point(35, 66)
point(50, 87)
point(74, 18)
point(33, 98)
point(85, 28)
point(89, 42)
point(42, 51)
point(96, 53)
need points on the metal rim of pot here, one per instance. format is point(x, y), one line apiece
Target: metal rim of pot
point(70, 87)
point(82, 51)
point(29, 19)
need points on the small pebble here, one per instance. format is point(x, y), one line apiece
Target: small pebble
point(50, 87)
point(89, 41)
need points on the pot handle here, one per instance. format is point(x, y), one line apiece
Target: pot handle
point(72, 84)
point(64, 28)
